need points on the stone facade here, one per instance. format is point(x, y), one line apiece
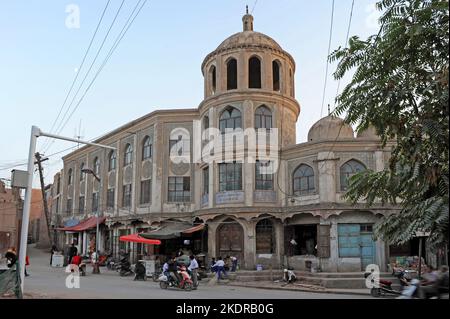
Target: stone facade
point(247, 71)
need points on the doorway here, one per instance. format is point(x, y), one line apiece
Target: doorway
point(231, 240)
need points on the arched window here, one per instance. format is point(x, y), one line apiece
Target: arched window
point(111, 161)
point(276, 75)
point(232, 74)
point(146, 148)
point(128, 156)
point(303, 180)
point(69, 177)
point(206, 122)
point(212, 74)
point(96, 166)
point(265, 237)
point(263, 117)
point(230, 119)
point(81, 172)
point(349, 169)
point(254, 73)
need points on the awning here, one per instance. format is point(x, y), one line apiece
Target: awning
point(85, 224)
point(172, 230)
point(135, 238)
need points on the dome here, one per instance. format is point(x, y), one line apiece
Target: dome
point(328, 128)
point(249, 38)
point(369, 133)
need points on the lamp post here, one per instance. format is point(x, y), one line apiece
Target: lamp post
point(96, 268)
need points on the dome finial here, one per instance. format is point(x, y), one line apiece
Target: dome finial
point(247, 20)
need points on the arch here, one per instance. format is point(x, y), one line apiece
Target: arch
point(263, 117)
point(348, 169)
point(230, 239)
point(111, 161)
point(276, 75)
point(303, 180)
point(265, 236)
point(254, 73)
point(128, 155)
point(96, 166)
point(230, 118)
point(231, 74)
point(69, 176)
point(81, 172)
point(146, 148)
point(213, 78)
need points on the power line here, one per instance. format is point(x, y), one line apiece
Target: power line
point(79, 68)
point(328, 54)
point(254, 6)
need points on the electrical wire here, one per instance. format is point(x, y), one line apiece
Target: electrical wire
point(327, 62)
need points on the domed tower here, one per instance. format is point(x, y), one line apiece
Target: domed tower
point(249, 83)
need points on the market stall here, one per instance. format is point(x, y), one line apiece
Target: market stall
point(150, 264)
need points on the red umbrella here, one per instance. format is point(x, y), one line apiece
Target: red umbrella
point(135, 238)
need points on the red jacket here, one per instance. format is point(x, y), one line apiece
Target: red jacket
point(27, 261)
point(76, 260)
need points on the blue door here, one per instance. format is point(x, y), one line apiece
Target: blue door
point(367, 250)
point(355, 240)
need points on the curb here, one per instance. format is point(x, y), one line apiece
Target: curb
point(326, 291)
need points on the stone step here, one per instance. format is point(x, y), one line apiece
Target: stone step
point(338, 274)
point(342, 283)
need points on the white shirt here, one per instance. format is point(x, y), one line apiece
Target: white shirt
point(219, 263)
point(193, 264)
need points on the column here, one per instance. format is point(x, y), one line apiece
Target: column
point(326, 174)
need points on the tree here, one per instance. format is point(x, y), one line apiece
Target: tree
point(400, 87)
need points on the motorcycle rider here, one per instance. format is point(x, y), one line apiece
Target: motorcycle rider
point(173, 271)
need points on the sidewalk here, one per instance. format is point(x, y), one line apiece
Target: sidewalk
point(298, 287)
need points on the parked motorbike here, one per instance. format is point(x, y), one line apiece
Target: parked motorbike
point(169, 281)
point(124, 268)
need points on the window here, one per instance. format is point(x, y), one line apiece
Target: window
point(111, 161)
point(212, 74)
point(110, 198)
point(69, 177)
point(263, 175)
point(254, 73)
point(232, 74)
point(146, 148)
point(179, 189)
point(206, 181)
point(303, 180)
point(81, 205)
point(230, 177)
point(179, 146)
point(126, 200)
point(81, 172)
point(306, 238)
point(69, 206)
point(205, 122)
point(265, 237)
point(230, 119)
point(94, 202)
point(96, 166)
point(146, 191)
point(276, 75)
point(128, 156)
point(349, 169)
point(263, 118)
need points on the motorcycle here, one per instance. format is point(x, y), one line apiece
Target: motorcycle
point(385, 286)
point(124, 268)
point(169, 281)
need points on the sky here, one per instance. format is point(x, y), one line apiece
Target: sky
point(155, 66)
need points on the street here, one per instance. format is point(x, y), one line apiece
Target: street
point(47, 282)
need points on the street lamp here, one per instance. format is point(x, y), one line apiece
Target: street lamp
point(96, 268)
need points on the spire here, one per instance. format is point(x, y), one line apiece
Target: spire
point(247, 21)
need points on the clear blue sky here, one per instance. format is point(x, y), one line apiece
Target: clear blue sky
point(157, 64)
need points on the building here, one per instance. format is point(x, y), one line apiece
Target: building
point(236, 208)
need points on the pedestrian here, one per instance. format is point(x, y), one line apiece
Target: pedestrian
point(212, 267)
point(73, 251)
point(193, 268)
point(54, 249)
point(234, 262)
point(11, 257)
point(27, 263)
point(220, 264)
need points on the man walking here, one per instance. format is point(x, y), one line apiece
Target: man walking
point(193, 267)
point(73, 251)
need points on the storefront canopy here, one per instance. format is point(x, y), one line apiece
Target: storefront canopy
point(85, 224)
point(172, 230)
point(136, 238)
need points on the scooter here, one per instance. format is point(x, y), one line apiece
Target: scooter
point(385, 286)
point(124, 268)
point(168, 281)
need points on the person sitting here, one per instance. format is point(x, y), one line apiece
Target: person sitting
point(165, 268)
point(77, 260)
point(173, 270)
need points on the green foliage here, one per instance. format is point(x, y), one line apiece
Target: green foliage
point(400, 87)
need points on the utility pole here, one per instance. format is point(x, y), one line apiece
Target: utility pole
point(39, 161)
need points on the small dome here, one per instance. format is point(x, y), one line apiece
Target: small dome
point(369, 133)
point(328, 128)
point(250, 38)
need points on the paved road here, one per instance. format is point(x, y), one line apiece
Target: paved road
point(48, 282)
